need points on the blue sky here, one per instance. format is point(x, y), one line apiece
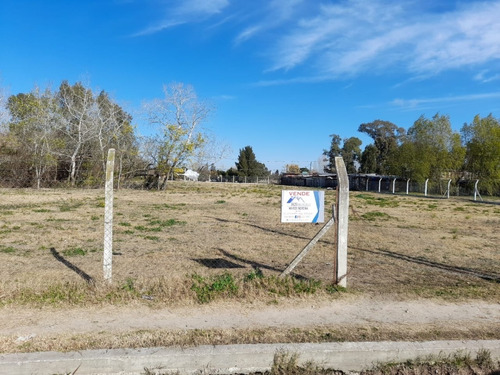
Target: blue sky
point(282, 74)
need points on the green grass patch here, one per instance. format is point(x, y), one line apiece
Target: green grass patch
point(152, 238)
point(69, 206)
point(207, 289)
point(166, 223)
point(375, 215)
point(57, 294)
point(7, 249)
point(74, 251)
point(378, 201)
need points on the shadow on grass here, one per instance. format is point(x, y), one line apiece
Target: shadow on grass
point(257, 265)
point(268, 230)
point(429, 263)
point(89, 279)
point(417, 260)
point(218, 263)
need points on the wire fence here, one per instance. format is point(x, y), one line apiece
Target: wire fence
point(205, 229)
point(395, 185)
point(140, 180)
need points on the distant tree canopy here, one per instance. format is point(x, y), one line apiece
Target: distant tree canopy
point(350, 152)
point(62, 137)
point(178, 118)
point(293, 168)
point(429, 149)
point(482, 155)
point(247, 164)
point(386, 139)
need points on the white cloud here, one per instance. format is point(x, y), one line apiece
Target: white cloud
point(485, 77)
point(351, 37)
point(200, 7)
point(185, 11)
point(246, 34)
point(414, 103)
point(357, 36)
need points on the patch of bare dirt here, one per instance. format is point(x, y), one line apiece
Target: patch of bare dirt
point(29, 323)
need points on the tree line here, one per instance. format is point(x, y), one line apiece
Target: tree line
point(61, 137)
point(428, 149)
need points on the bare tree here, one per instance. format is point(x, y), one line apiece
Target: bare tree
point(4, 113)
point(79, 116)
point(34, 125)
point(178, 118)
point(211, 152)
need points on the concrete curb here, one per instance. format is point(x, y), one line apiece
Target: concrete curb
point(228, 359)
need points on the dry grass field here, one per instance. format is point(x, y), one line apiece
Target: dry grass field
point(402, 246)
point(209, 249)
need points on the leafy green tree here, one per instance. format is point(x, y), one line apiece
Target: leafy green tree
point(368, 161)
point(248, 165)
point(335, 150)
point(386, 137)
point(350, 152)
point(430, 149)
point(482, 158)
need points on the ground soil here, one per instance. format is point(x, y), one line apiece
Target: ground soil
point(415, 263)
point(25, 324)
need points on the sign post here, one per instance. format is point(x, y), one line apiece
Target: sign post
point(302, 206)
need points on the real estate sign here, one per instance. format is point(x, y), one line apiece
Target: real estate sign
point(302, 206)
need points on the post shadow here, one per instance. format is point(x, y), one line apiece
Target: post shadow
point(89, 279)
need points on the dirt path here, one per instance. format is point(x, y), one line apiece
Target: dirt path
point(353, 311)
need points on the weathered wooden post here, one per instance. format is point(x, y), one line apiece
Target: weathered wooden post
point(342, 222)
point(108, 217)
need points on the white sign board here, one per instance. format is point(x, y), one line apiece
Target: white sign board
point(302, 206)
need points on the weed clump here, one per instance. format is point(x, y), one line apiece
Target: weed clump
point(207, 289)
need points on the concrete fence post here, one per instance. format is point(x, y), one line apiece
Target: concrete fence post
point(342, 222)
point(407, 186)
point(108, 217)
point(476, 191)
point(394, 186)
point(425, 187)
point(379, 184)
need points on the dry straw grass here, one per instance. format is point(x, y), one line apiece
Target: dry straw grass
point(173, 247)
